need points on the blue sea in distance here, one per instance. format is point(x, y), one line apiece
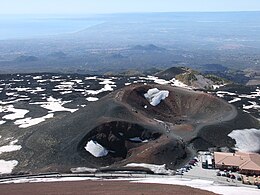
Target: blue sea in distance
point(25, 27)
point(37, 26)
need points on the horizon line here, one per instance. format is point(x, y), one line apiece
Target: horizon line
point(145, 12)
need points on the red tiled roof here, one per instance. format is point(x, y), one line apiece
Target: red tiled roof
point(245, 161)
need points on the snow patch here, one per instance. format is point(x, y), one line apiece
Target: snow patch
point(107, 87)
point(2, 122)
point(50, 179)
point(7, 167)
point(28, 122)
point(137, 139)
point(247, 140)
point(78, 81)
point(217, 86)
point(83, 169)
point(63, 86)
point(11, 147)
point(201, 184)
point(65, 92)
point(54, 105)
point(155, 80)
point(16, 113)
point(37, 89)
point(91, 78)
point(96, 149)
point(253, 105)
point(234, 100)
point(13, 101)
point(20, 89)
point(37, 77)
point(155, 96)
point(178, 83)
point(106, 81)
point(42, 81)
point(158, 169)
point(221, 94)
point(92, 99)
point(253, 95)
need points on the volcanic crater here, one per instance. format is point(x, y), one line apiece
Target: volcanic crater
point(182, 106)
point(169, 126)
point(129, 129)
point(118, 137)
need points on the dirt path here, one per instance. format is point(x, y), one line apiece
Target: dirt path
point(97, 187)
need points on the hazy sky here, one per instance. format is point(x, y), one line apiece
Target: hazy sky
point(121, 6)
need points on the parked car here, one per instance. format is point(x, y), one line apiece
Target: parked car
point(188, 167)
point(192, 162)
point(179, 172)
point(184, 169)
point(223, 173)
point(232, 176)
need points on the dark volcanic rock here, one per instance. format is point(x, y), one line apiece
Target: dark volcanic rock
point(149, 47)
point(129, 131)
point(171, 73)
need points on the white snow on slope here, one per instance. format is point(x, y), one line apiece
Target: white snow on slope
point(10, 147)
point(83, 169)
point(195, 183)
point(11, 94)
point(92, 99)
point(155, 96)
point(7, 166)
point(253, 105)
point(155, 80)
point(217, 86)
point(12, 101)
point(16, 113)
point(178, 83)
point(173, 82)
point(223, 93)
point(108, 86)
point(96, 149)
point(201, 184)
point(106, 82)
point(247, 140)
point(37, 77)
point(253, 95)
point(78, 81)
point(20, 89)
point(51, 179)
point(234, 100)
point(65, 92)
point(91, 78)
point(28, 122)
point(2, 122)
point(159, 169)
point(42, 81)
point(54, 105)
point(137, 139)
